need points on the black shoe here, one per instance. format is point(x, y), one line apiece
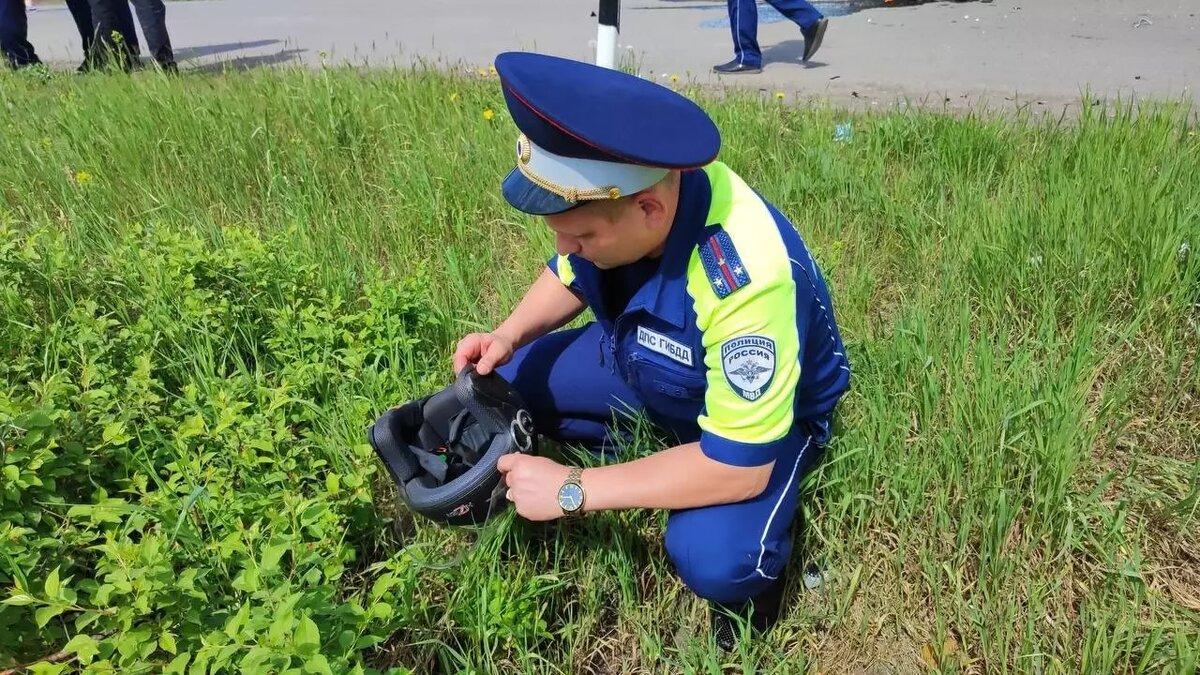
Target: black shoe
point(724, 628)
point(812, 38)
point(734, 68)
point(765, 609)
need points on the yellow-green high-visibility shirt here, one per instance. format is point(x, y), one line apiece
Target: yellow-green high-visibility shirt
point(729, 338)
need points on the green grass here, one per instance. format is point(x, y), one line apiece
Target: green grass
point(211, 284)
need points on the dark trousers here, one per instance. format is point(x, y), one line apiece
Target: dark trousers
point(81, 12)
point(743, 24)
point(152, 14)
point(14, 35)
point(113, 37)
point(114, 15)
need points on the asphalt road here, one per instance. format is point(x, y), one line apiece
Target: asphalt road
point(1034, 52)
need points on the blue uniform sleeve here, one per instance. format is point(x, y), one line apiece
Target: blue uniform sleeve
point(564, 269)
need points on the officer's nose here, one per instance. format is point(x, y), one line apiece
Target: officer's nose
point(565, 244)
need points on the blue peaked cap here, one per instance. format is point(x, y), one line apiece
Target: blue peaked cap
point(589, 132)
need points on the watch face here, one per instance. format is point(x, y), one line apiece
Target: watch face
point(570, 497)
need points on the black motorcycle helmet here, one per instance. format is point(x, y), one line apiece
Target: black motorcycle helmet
point(442, 450)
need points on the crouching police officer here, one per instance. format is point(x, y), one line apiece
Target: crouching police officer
point(711, 319)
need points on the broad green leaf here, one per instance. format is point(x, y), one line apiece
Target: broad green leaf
point(255, 661)
point(318, 664)
point(84, 646)
point(12, 473)
point(20, 600)
point(234, 626)
point(86, 619)
point(129, 643)
point(167, 642)
point(103, 593)
point(44, 614)
point(307, 638)
point(200, 665)
point(380, 610)
point(367, 641)
point(114, 430)
point(178, 663)
point(271, 556)
point(192, 426)
point(38, 420)
point(283, 625)
point(45, 668)
point(382, 585)
point(53, 585)
point(247, 580)
point(224, 657)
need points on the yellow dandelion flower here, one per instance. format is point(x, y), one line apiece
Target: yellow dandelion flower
point(488, 114)
point(482, 72)
point(82, 177)
point(492, 69)
point(453, 96)
point(779, 95)
point(674, 79)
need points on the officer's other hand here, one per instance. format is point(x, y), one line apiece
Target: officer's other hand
point(485, 350)
point(533, 484)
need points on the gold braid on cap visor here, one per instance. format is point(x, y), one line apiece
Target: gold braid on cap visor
point(571, 194)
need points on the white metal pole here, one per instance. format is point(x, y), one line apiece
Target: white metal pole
point(609, 26)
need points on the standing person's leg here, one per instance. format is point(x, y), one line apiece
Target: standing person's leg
point(14, 35)
point(152, 15)
point(112, 43)
point(104, 25)
point(127, 29)
point(812, 23)
point(81, 12)
point(743, 26)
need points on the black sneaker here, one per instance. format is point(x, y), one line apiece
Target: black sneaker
point(724, 627)
point(734, 67)
point(765, 609)
point(813, 37)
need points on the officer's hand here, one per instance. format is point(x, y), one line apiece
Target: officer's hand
point(485, 350)
point(533, 484)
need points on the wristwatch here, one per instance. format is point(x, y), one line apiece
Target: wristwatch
point(570, 495)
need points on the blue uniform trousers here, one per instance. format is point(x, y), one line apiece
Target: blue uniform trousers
point(726, 553)
point(14, 35)
point(743, 24)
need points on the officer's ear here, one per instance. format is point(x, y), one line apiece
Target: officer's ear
point(651, 206)
point(657, 203)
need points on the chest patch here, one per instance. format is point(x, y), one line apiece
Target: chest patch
point(749, 365)
point(722, 264)
point(661, 344)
